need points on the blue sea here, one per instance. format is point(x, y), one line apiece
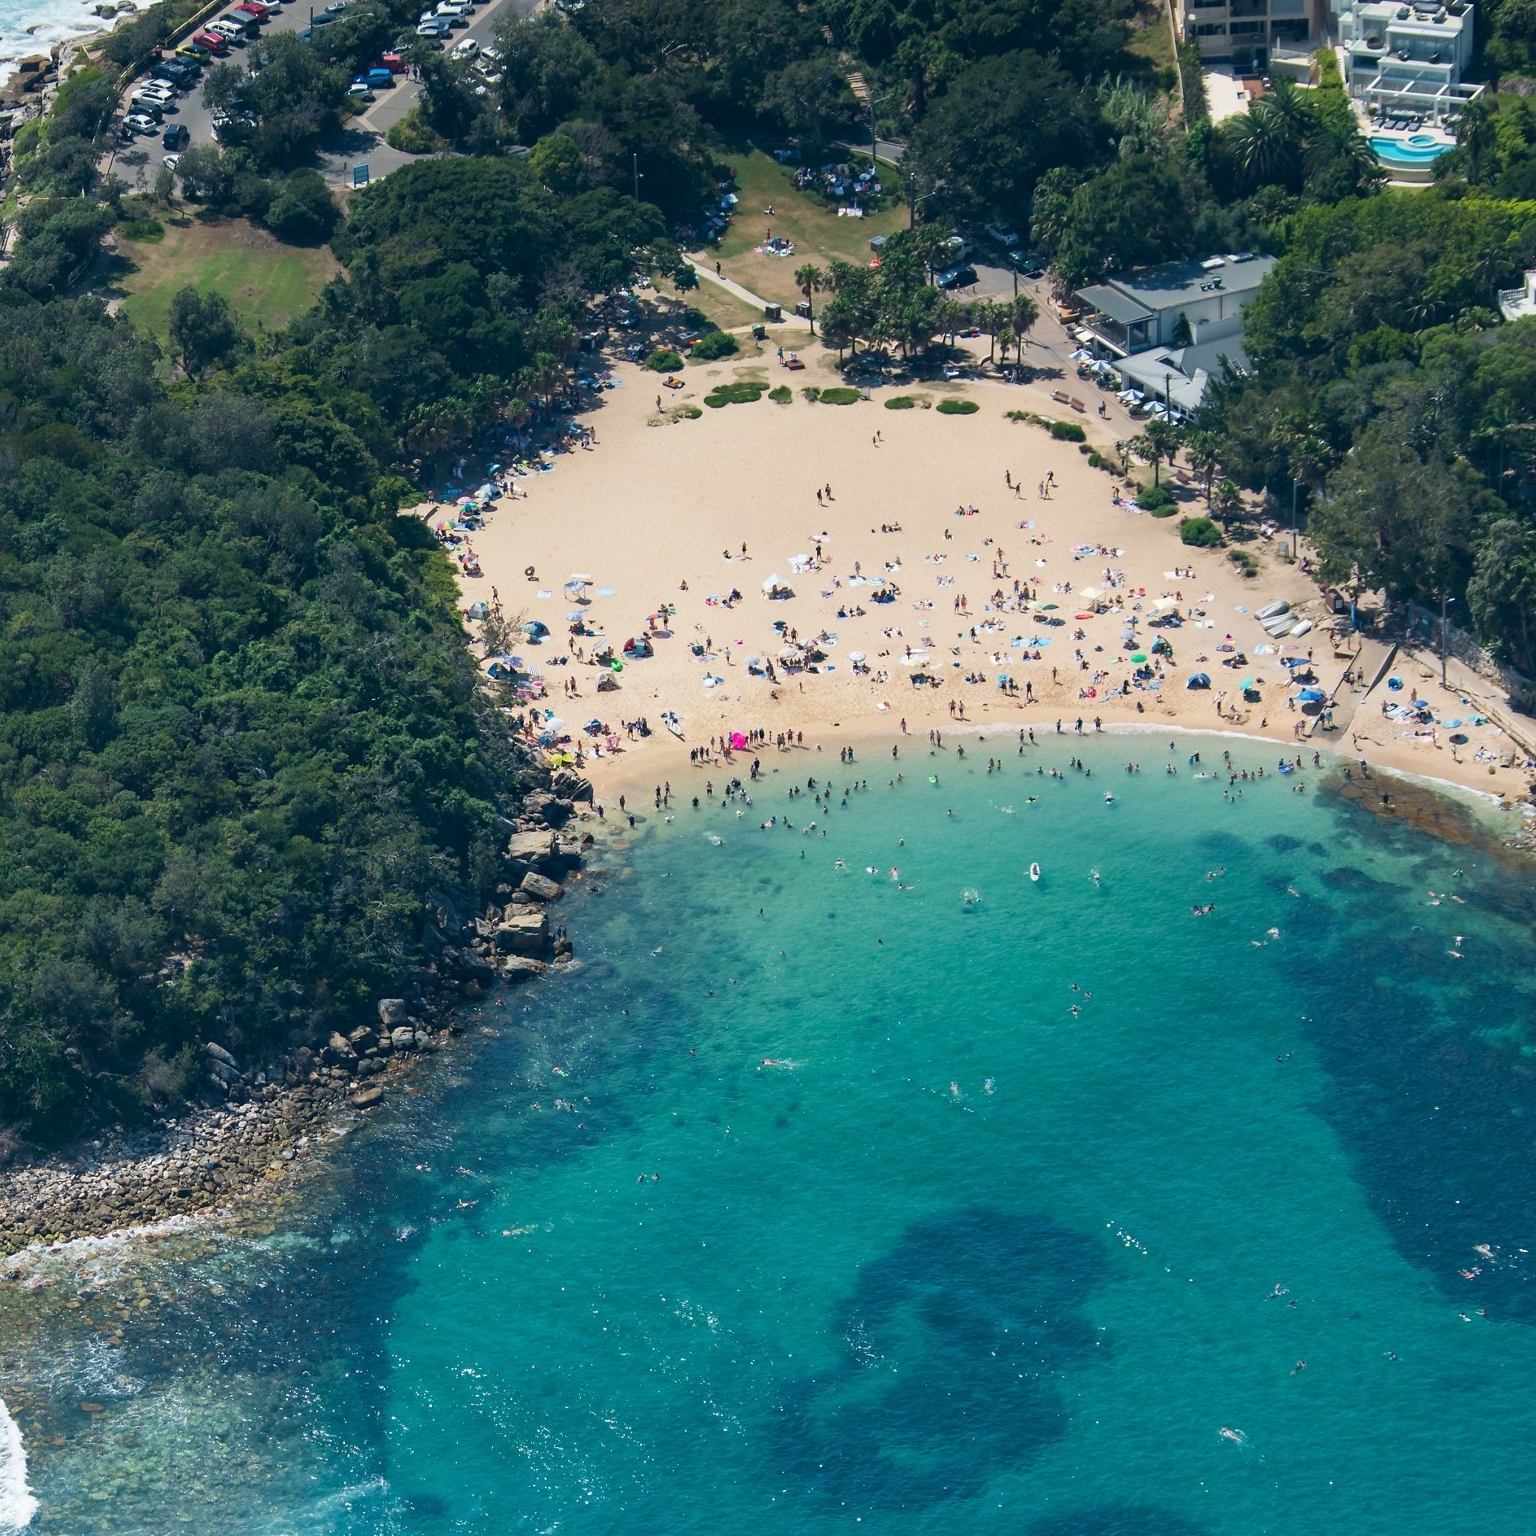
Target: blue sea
point(858, 1182)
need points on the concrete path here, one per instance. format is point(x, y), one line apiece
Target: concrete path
point(705, 267)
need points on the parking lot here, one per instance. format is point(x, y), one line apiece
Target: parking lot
point(361, 141)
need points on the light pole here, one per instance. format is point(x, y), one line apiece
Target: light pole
point(635, 158)
point(1295, 487)
point(874, 101)
point(1445, 603)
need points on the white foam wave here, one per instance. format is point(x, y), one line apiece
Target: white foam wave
point(17, 1506)
point(34, 26)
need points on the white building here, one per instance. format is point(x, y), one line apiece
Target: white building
point(1519, 303)
point(1252, 34)
point(1182, 303)
point(1407, 58)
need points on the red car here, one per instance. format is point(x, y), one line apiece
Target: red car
point(393, 63)
point(212, 42)
point(251, 11)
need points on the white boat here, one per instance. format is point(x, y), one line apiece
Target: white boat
point(672, 723)
point(1034, 871)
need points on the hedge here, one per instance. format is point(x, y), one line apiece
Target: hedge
point(958, 407)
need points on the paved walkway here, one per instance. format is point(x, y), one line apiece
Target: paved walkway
point(705, 267)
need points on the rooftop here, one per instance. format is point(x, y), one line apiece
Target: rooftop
point(1182, 282)
point(1182, 373)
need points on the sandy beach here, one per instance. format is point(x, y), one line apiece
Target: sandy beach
point(667, 511)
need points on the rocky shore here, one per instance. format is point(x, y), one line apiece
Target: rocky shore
point(261, 1123)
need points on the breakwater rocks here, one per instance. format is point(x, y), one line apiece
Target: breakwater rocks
point(261, 1123)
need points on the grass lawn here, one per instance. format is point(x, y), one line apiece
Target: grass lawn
point(812, 223)
point(722, 308)
point(267, 283)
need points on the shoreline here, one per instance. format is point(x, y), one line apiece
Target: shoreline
point(278, 1120)
point(933, 498)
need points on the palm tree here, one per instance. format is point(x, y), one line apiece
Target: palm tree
point(1475, 132)
point(810, 279)
point(1202, 451)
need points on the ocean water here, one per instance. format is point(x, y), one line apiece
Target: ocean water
point(30, 27)
point(822, 1200)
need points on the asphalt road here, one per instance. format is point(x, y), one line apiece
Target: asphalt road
point(361, 141)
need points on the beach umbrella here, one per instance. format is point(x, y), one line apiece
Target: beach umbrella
point(1246, 683)
point(534, 628)
point(1312, 696)
point(1199, 680)
point(754, 661)
point(859, 656)
point(1138, 656)
point(578, 615)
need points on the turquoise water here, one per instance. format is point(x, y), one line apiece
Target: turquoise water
point(1399, 152)
point(960, 1259)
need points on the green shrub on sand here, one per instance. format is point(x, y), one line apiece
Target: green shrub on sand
point(1199, 532)
point(716, 345)
point(664, 360)
point(736, 392)
point(958, 407)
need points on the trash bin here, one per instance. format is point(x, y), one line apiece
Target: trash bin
point(759, 333)
point(773, 311)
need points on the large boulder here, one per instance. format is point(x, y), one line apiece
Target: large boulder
point(516, 968)
point(338, 1050)
point(531, 850)
point(391, 1011)
point(404, 1038)
point(524, 932)
point(541, 887)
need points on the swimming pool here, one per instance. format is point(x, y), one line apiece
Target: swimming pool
point(1419, 150)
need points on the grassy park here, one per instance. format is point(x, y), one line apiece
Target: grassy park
point(267, 283)
point(818, 233)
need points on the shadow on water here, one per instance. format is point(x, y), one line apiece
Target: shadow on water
point(1116, 1520)
point(1433, 1086)
point(953, 1344)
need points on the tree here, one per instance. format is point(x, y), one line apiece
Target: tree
point(1203, 449)
point(557, 164)
point(302, 213)
point(203, 330)
point(1501, 595)
point(810, 279)
point(1002, 123)
point(1475, 133)
point(1132, 215)
point(809, 96)
point(1158, 442)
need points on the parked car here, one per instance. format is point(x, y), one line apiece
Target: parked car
point(141, 122)
point(195, 52)
point(437, 28)
point(359, 91)
point(150, 109)
point(1028, 266)
point(170, 162)
point(231, 31)
point(213, 41)
point(956, 277)
point(378, 77)
point(251, 12)
point(147, 95)
point(176, 136)
point(453, 8)
point(1004, 237)
point(465, 48)
point(392, 62)
point(179, 72)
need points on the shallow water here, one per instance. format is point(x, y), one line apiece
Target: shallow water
point(809, 1202)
